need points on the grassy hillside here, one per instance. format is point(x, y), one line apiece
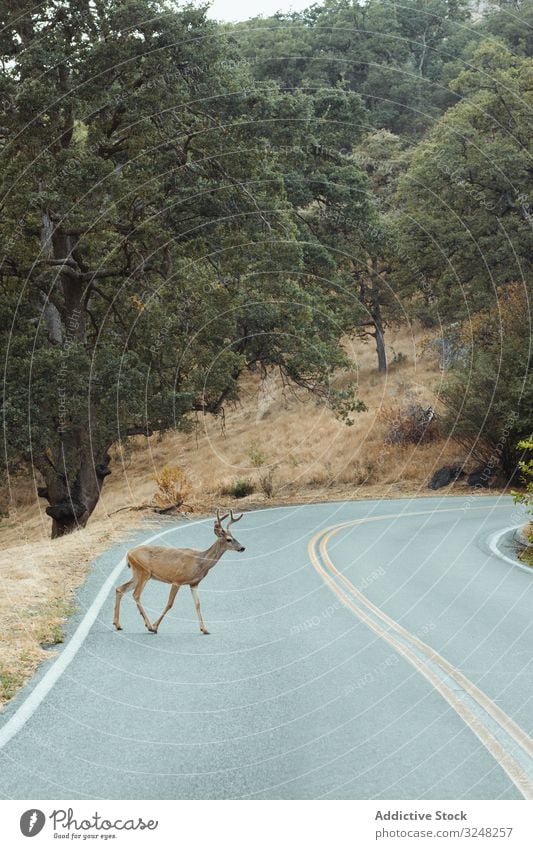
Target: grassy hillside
point(277, 429)
point(273, 433)
point(283, 433)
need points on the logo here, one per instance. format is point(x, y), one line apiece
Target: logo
point(32, 822)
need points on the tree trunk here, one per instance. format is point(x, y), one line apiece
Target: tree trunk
point(73, 468)
point(370, 297)
point(74, 478)
point(379, 336)
point(377, 321)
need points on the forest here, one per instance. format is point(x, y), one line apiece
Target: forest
point(185, 201)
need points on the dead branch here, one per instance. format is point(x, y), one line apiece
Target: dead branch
point(159, 510)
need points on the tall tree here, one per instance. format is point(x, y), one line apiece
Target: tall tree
point(465, 199)
point(393, 55)
point(149, 245)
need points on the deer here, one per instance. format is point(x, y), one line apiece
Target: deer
point(177, 567)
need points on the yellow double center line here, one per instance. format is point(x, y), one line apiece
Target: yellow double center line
point(435, 668)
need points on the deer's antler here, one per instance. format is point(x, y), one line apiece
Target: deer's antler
point(233, 519)
point(220, 520)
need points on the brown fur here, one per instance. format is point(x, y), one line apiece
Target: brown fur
point(174, 566)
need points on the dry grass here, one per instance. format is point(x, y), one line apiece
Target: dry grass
point(296, 438)
point(526, 556)
point(272, 433)
point(38, 579)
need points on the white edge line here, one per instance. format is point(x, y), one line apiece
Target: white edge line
point(493, 545)
point(41, 690)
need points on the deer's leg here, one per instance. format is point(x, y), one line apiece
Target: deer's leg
point(171, 596)
point(203, 629)
point(119, 592)
point(143, 578)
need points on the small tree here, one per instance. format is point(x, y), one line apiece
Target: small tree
point(174, 486)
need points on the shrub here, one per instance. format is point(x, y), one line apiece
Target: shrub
point(256, 454)
point(258, 458)
point(174, 486)
point(239, 488)
point(526, 467)
point(266, 482)
point(356, 473)
point(489, 396)
point(412, 424)
point(398, 358)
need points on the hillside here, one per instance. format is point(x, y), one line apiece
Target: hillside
point(283, 432)
point(311, 455)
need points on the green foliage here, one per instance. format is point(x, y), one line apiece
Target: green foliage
point(257, 454)
point(10, 682)
point(513, 23)
point(345, 402)
point(526, 468)
point(181, 201)
point(465, 215)
point(57, 636)
point(392, 55)
point(154, 243)
point(489, 391)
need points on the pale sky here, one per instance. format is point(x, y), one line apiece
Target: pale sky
point(240, 10)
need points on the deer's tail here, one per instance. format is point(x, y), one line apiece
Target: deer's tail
point(134, 563)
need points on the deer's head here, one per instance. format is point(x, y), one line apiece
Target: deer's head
point(230, 543)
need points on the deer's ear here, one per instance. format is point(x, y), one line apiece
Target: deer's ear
point(218, 529)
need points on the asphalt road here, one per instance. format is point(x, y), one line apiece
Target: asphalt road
point(387, 659)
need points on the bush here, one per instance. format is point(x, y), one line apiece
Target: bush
point(256, 454)
point(239, 488)
point(174, 486)
point(526, 467)
point(412, 424)
point(265, 478)
point(489, 397)
point(398, 358)
point(266, 482)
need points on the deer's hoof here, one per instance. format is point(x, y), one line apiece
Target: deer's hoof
point(153, 630)
point(205, 631)
point(118, 627)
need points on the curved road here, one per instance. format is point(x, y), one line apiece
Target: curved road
point(370, 649)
